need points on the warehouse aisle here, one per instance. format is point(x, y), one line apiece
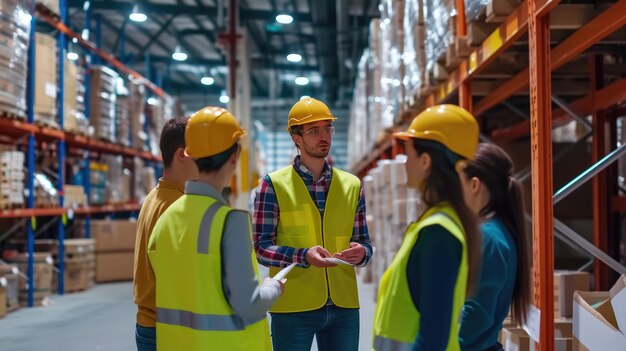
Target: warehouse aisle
point(103, 319)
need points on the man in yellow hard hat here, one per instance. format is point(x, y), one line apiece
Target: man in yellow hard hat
point(208, 294)
point(308, 213)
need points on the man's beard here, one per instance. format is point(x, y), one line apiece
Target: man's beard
point(315, 153)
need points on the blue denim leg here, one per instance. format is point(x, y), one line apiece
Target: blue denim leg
point(295, 331)
point(145, 338)
point(341, 330)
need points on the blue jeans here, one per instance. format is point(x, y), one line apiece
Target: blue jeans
point(145, 338)
point(336, 329)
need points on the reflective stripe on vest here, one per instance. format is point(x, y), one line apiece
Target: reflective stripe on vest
point(382, 343)
point(199, 321)
point(205, 227)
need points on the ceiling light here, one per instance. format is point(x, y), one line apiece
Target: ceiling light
point(224, 99)
point(284, 19)
point(137, 15)
point(72, 56)
point(294, 58)
point(302, 80)
point(207, 80)
point(179, 54)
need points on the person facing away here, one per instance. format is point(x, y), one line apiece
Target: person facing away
point(496, 197)
point(305, 213)
point(208, 295)
point(178, 168)
point(421, 294)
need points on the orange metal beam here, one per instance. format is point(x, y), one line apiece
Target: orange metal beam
point(508, 32)
point(541, 166)
point(33, 212)
point(58, 211)
point(605, 98)
point(461, 24)
point(597, 29)
point(61, 27)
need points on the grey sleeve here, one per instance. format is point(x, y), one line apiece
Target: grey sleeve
point(248, 299)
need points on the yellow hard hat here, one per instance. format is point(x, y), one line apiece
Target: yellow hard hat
point(449, 125)
point(210, 131)
point(308, 110)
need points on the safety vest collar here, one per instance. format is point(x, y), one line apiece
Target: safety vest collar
point(194, 187)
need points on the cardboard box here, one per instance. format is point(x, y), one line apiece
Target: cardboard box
point(618, 302)
point(516, 339)
point(114, 236)
point(70, 100)
point(565, 283)
point(3, 296)
point(595, 325)
point(114, 266)
point(42, 270)
point(45, 76)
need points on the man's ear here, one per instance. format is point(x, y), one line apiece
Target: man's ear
point(180, 154)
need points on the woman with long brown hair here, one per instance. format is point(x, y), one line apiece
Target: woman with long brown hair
point(422, 293)
point(495, 196)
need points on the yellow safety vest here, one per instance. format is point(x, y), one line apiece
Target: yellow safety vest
point(300, 225)
point(185, 254)
point(396, 322)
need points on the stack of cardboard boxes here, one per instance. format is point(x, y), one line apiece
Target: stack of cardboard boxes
point(79, 262)
point(103, 98)
point(11, 178)
point(115, 249)
point(42, 277)
point(73, 107)
point(98, 178)
point(137, 116)
point(46, 80)
point(14, 41)
point(74, 196)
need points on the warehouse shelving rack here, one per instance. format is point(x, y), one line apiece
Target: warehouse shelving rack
point(37, 133)
point(532, 17)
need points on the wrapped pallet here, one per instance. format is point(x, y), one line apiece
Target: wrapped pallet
point(414, 57)
point(123, 123)
point(11, 178)
point(437, 14)
point(73, 106)
point(102, 102)
point(42, 277)
point(14, 41)
point(46, 80)
point(137, 100)
point(391, 48)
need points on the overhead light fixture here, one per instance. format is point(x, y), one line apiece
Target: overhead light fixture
point(294, 57)
point(284, 19)
point(137, 15)
point(179, 54)
point(207, 80)
point(302, 80)
point(224, 99)
point(72, 56)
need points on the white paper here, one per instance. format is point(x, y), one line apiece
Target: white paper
point(337, 261)
point(533, 322)
point(283, 272)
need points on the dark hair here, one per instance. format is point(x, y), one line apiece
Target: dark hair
point(215, 162)
point(172, 138)
point(494, 168)
point(296, 130)
point(444, 184)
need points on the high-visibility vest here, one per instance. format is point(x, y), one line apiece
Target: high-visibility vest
point(300, 225)
point(396, 322)
point(192, 311)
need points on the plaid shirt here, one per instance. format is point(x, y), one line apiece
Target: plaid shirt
point(266, 215)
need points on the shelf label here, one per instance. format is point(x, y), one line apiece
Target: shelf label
point(33, 223)
point(533, 324)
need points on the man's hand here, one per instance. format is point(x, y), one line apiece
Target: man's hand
point(315, 257)
point(354, 255)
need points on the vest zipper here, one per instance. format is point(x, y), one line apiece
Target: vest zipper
point(324, 245)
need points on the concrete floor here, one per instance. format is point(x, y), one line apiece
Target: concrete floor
point(103, 318)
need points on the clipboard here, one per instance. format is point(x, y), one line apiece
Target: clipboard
point(283, 272)
point(335, 260)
